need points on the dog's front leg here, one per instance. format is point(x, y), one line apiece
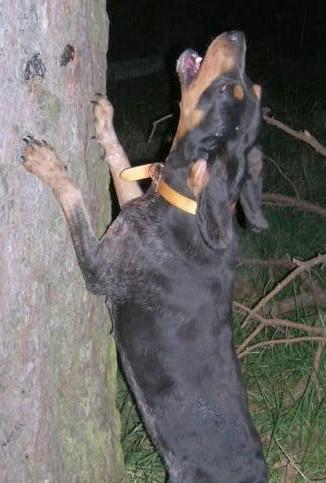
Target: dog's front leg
point(41, 160)
point(115, 155)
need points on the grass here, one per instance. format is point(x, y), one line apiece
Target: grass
point(287, 405)
point(142, 463)
point(288, 409)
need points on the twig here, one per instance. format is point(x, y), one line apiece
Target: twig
point(285, 323)
point(284, 175)
point(272, 199)
point(268, 262)
point(253, 334)
point(304, 136)
point(316, 364)
point(301, 267)
point(292, 462)
point(280, 323)
point(317, 299)
point(155, 124)
point(273, 342)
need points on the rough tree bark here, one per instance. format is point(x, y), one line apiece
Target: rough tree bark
point(58, 421)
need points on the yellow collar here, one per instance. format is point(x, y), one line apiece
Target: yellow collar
point(153, 170)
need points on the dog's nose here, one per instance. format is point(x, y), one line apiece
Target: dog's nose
point(236, 36)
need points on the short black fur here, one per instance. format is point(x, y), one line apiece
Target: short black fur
point(168, 280)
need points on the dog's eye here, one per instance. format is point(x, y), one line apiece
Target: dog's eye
point(223, 88)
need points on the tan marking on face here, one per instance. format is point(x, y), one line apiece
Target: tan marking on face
point(238, 92)
point(198, 177)
point(257, 90)
point(188, 120)
point(220, 58)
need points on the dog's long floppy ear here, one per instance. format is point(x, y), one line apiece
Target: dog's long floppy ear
point(214, 216)
point(251, 192)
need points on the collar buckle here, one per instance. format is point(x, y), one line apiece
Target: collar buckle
point(155, 172)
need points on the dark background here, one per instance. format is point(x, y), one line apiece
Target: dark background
point(288, 31)
point(285, 54)
point(286, 43)
point(141, 27)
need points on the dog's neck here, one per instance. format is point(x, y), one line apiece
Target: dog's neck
point(178, 222)
point(155, 171)
point(175, 173)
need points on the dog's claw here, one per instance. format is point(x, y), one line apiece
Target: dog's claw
point(28, 139)
point(47, 145)
point(99, 95)
point(31, 140)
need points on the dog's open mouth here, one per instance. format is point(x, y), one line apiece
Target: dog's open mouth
point(224, 53)
point(188, 66)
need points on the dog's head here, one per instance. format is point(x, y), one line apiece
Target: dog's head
point(220, 117)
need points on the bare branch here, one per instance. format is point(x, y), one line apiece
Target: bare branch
point(317, 299)
point(253, 334)
point(304, 136)
point(274, 322)
point(274, 342)
point(285, 323)
point(268, 262)
point(156, 123)
point(301, 267)
point(292, 462)
point(284, 175)
point(277, 199)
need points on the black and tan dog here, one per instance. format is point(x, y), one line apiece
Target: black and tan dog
point(166, 266)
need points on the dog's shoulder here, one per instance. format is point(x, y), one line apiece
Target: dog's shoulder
point(136, 230)
point(139, 217)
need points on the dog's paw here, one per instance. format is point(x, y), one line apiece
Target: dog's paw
point(105, 133)
point(40, 159)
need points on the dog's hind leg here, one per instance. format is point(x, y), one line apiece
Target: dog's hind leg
point(41, 160)
point(115, 156)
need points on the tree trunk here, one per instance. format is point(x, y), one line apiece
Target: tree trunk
point(58, 421)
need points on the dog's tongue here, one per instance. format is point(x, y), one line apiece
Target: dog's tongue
point(188, 66)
